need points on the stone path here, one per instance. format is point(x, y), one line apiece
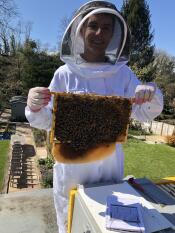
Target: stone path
point(151, 139)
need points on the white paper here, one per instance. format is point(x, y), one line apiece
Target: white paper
point(124, 214)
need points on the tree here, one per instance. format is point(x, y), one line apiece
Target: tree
point(137, 16)
point(62, 27)
point(13, 46)
point(7, 10)
point(23, 63)
point(165, 78)
point(7, 13)
point(26, 68)
point(4, 41)
point(38, 66)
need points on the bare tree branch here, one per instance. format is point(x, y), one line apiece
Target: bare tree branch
point(8, 10)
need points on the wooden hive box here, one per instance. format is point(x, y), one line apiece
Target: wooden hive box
point(86, 127)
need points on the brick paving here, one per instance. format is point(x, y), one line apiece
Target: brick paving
point(27, 207)
point(23, 170)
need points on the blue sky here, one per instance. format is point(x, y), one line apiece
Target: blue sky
point(46, 16)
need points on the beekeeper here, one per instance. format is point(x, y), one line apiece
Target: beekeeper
point(95, 51)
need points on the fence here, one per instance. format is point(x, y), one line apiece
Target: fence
point(162, 128)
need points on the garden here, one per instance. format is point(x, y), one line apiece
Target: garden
point(154, 161)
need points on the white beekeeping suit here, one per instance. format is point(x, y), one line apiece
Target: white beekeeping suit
point(112, 77)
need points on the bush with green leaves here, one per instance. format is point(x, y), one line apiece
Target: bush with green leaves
point(46, 169)
point(49, 162)
point(40, 137)
point(171, 140)
point(48, 180)
point(136, 128)
point(41, 161)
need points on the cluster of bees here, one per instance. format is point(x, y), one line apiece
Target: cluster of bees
point(83, 121)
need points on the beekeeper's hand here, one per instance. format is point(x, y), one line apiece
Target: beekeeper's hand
point(38, 97)
point(144, 93)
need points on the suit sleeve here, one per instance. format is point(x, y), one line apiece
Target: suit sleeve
point(43, 118)
point(149, 110)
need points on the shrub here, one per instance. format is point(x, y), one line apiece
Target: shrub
point(169, 121)
point(136, 128)
point(49, 162)
point(48, 180)
point(46, 169)
point(40, 137)
point(171, 140)
point(41, 161)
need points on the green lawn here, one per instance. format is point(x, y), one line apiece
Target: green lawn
point(141, 159)
point(4, 148)
point(153, 161)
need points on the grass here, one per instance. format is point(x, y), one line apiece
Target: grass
point(153, 161)
point(4, 148)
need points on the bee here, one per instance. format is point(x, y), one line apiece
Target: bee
point(82, 121)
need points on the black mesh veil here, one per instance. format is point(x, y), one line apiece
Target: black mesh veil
point(72, 43)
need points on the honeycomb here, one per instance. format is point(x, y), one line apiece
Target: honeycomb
point(84, 121)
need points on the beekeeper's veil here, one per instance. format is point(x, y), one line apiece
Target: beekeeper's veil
point(72, 43)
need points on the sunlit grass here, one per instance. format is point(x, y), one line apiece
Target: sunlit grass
point(153, 161)
point(4, 148)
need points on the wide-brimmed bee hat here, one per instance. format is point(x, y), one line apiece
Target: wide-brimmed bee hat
point(72, 45)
